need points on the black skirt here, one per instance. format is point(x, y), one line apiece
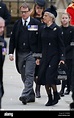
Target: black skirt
point(48, 71)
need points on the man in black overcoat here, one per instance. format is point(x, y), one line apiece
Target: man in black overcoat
point(23, 41)
point(3, 46)
point(0, 73)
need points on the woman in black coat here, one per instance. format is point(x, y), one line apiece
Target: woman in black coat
point(68, 37)
point(52, 48)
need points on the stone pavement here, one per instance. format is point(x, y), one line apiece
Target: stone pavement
point(13, 87)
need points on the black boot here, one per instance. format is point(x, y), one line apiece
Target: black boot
point(61, 93)
point(73, 96)
point(49, 103)
point(72, 103)
point(56, 98)
point(37, 90)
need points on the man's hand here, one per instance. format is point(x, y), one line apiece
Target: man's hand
point(11, 57)
point(38, 62)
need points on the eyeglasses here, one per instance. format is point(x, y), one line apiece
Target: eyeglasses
point(24, 12)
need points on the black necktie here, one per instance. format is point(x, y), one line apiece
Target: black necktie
point(25, 23)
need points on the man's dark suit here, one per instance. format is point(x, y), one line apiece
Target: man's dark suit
point(1, 69)
point(2, 58)
point(0, 74)
point(24, 57)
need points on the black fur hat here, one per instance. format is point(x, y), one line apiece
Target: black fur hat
point(52, 10)
point(40, 2)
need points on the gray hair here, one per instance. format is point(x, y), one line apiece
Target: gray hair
point(1, 19)
point(52, 16)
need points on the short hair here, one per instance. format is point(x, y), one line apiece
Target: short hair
point(25, 5)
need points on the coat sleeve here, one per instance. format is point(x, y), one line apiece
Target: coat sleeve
point(61, 45)
point(12, 39)
point(40, 43)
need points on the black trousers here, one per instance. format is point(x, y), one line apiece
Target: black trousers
point(69, 66)
point(36, 73)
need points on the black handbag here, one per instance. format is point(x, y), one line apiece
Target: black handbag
point(62, 72)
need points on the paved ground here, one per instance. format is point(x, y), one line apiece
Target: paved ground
point(13, 87)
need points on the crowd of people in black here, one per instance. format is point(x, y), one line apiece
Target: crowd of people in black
point(40, 45)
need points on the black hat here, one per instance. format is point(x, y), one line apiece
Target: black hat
point(52, 10)
point(40, 2)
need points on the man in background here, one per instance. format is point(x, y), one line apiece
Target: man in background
point(2, 56)
point(4, 13)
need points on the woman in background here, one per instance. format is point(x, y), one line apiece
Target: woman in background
point(37, 13)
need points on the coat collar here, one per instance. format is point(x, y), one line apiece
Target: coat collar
point(51, 26)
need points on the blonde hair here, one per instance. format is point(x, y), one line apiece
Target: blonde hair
point(66, 14)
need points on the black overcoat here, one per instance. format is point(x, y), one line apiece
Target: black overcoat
point(33, 38)
point(3, 44)
point(52, 48)
point(68, 34)
point(1, 86)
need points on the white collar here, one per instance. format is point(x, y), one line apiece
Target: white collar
point(28, 20)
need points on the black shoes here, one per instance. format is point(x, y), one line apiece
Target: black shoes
point(49, 103)
point(27, 100)
point(67, 92)
point(37, 91)
point(61, 93)
point(38, 94)
point(31, 98)
point(56, 98)
point(53, 100)
point(23, 99)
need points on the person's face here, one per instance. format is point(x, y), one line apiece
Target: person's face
point(2, 26)
point(39, 10)
point(47, 18)
point(25, 13)
point(65, 19)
